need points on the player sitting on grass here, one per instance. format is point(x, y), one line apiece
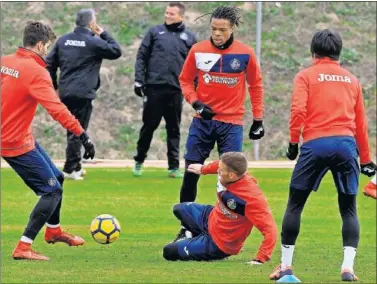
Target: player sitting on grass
point(221, 230)
point(25, 83)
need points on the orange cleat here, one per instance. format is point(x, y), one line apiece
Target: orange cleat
point(370, 190)
point(57, 235)
point(23, 251)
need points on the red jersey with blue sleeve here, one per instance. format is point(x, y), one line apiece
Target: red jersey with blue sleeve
point(222, 77)
point(240, 207)
point(25, 82)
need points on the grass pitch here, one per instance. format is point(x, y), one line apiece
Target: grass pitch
point(143, 207)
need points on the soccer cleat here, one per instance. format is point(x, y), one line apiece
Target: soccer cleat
point(81, 172)
point(24, 252)
point(138, 169)
point(370, 190)
point(348, 275)
point(73, 176)
point(63, 237)
point(175, 173)
point(279, 273)
point(182, 234)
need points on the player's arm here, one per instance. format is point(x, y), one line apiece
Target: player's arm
point(259, 214)
point(362, 129)
point(200, 169)
point(187, 78)
point(52, 61)
point(255, 86)
point(42, 90)
point(298, 107)
point(142, 57)
point(106, 46)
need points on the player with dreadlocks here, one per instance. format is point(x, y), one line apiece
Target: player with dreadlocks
point(222, 65)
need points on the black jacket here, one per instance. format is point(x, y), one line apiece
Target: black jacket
point(79, 56)
point(161, 55)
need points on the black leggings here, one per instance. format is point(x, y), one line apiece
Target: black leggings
point(292, 218)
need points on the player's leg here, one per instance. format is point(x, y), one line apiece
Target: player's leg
point(345, 171)
point(371, 188)
point(229, 137)
point(307, 175)
point(200, 142)
point(152, 115)
point(200, 248)
point(37, 174)
point(54, 233)
point(172, 116)
point(73, 150)
point(193, 217)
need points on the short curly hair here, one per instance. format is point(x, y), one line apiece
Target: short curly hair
point(232, 14)
point(35, 32)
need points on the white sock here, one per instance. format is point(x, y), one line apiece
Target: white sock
point(287, 255)
point(349, 257)
point(374, 180)
point(52, 226)
point(26, 240)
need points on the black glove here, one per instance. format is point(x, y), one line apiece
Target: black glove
point(292, 151)
point(369, 169)
point(256, 130)
point(203, 110)
point(88, 146)
point(138, 91)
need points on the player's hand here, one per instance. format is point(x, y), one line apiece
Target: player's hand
point(255, 262)
point(369, 169)
point(256, 130)
point(205, 111)
point(195, 168)
point(88, 146)
point(98, 30)
point(292, 151)
point(138, 90)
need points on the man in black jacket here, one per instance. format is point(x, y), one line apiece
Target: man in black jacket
point(159, 62)
point(79, 56)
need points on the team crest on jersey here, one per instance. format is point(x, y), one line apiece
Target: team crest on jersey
point(51, 182)
point(235, 64)
point(183, 36)
point(232, 204)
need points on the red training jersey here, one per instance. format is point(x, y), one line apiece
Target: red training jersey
point(328, 101)
point(25, 82)
point(240, 207)
point(221, 80)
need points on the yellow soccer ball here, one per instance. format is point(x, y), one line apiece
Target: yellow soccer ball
point(105, 229)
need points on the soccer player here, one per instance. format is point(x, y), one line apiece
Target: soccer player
point(220, 231)
point(223, 66)
point(328, 111)
point(371, 189)
point(25, 83)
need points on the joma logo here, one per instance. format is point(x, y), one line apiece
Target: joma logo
point(333, 78)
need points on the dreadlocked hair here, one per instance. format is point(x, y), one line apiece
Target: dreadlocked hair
point(232, 14)
point(35, 32)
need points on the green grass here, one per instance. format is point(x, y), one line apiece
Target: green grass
point(143, 207)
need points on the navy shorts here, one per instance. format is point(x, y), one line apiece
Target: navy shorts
point(338, 154)
point(37, 170)
point(204, 133)
point(201, 248)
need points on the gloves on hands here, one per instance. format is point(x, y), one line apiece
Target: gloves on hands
point(292, 151)
point(369, 169)
point(88, 146)
point(138, 90)
point(256, 130)
point(203, 110)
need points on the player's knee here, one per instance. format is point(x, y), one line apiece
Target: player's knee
point(170, 252)
point(177, 210)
